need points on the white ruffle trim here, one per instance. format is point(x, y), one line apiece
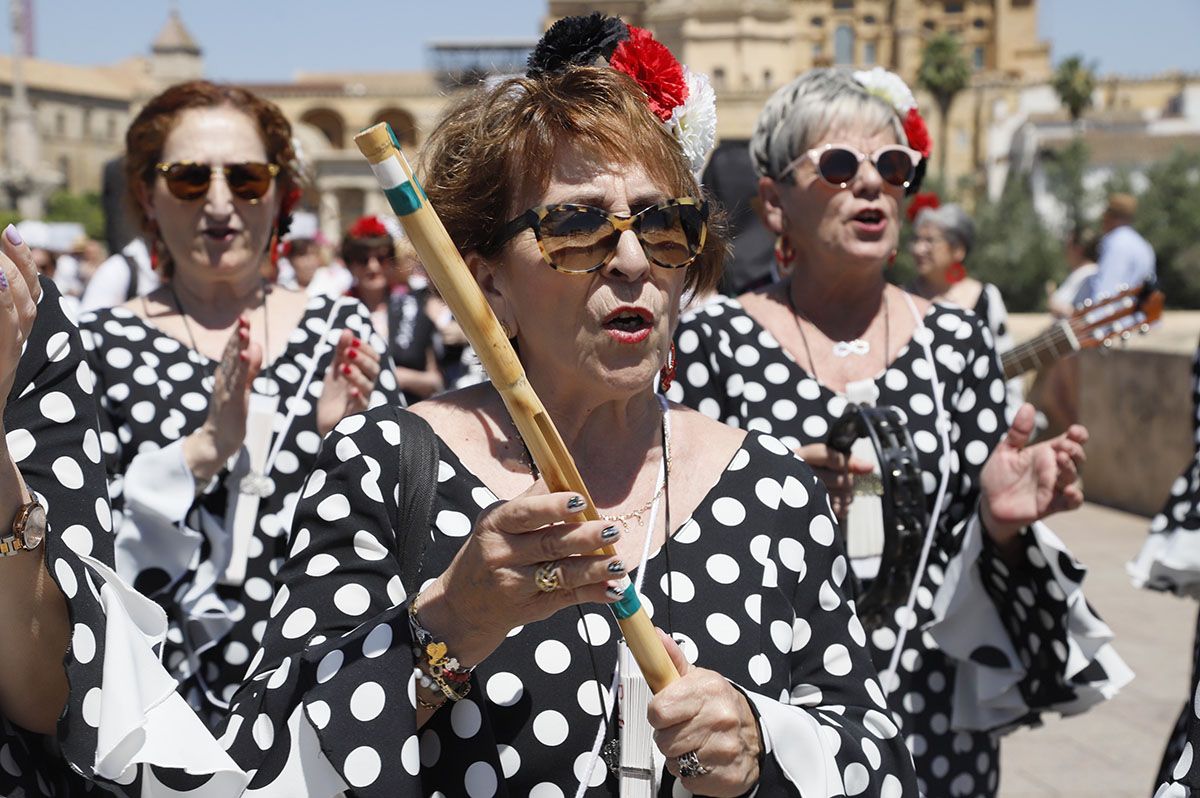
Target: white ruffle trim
point(1168, 561)
point(793, 737)
point(308, 773)
point(140, 718)
point(988, 698)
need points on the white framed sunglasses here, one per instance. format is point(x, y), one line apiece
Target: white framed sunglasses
point(838, 164)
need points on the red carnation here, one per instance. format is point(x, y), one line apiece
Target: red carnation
point(290, 201)
point(368, 227)
point(920, 201)
point(652, 66)
point(918, 134)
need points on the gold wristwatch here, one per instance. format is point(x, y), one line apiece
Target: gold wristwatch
point(28, 529)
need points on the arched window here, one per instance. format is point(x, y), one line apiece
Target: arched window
point(402, 122)
point(843, 45)
point(329, 122)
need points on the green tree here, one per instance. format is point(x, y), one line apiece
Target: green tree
point(1074, 82)
point(1169, 217)
point(63, 206)
point(944, 72)
point(1014, 250)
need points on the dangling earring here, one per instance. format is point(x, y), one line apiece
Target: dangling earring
point(666, 375)
point(153, 246)
point(784, 252)
point(509, 332)
point(956, 273)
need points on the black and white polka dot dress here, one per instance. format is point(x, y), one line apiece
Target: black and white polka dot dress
point(172, 544)
point(1170, 560)
point(757, 593)
point(120, 695)
point(988, 648)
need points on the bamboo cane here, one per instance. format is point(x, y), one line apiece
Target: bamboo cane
point(461, 293)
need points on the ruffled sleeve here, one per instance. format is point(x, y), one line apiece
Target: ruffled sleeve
point(330, 701)
point(122, 709)
point(1170, 557)
point(1025, 639)
point(832, 734)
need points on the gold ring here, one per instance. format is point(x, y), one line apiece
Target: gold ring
point(548, 577)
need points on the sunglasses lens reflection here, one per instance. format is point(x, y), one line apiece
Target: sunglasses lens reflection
point(190, 181)
point(895, 166)
point(579, 239)
point(838, 165)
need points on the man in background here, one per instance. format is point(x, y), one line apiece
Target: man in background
point(1126, 259)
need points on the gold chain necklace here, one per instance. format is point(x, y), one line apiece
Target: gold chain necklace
point(633, 514)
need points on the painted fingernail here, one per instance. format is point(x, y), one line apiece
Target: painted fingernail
point(617, 567)
point(355, 393)
point(345, 369)
point(356, 343)
point(610, 533)
point(352, 354)
point(14, 236)
point(614, 592)
point(575, 503)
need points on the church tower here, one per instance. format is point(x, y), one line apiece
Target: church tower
point(175, 56)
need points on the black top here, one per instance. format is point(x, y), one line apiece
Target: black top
point(757, 593)
point(173, 544)
point(734, 370)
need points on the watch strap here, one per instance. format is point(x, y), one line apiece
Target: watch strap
point(14, 542)
point(11, 545)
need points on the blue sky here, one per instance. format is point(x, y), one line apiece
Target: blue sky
point(267, 40)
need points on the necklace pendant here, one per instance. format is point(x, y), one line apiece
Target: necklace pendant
point(256, 484)
point(611, 754)
point(856, 347)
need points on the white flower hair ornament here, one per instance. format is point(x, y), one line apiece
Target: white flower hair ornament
point(694, 124)
point(892, 89)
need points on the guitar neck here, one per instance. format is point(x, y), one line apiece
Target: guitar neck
point(1040, 351)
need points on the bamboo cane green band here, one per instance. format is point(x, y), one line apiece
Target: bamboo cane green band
point(403, 198)
point(628, 606)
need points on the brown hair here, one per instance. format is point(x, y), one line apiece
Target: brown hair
point(148, 133)
point(495, 149)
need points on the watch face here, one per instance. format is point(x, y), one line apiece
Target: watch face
point(35, 527)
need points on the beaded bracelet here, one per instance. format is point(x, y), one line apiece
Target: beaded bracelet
point(441, 673)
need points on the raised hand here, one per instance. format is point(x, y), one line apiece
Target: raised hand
point(19, 295)
point(349, 381)
point(491, 586)
point(1021, 484)
point(220, 436)
point(837, 471)
point(707, 720)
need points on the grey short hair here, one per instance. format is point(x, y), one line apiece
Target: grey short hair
point(798, 114)
point(953, 221)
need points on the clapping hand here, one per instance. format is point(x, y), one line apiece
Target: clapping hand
point(349, 381)
point(208, 449)
point(19, 295)
point(1022, 484)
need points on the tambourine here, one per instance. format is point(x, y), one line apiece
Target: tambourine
point(903, 504)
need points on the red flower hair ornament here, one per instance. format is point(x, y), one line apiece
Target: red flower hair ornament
point(651, 65)
point(920, 201)
point(368, 227)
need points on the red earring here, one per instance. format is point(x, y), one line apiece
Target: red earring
point(956, 273)
point(784, 252)
point(666, 375)
point(892, 258)
point(153, 246)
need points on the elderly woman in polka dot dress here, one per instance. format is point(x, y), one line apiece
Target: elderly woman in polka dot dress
point(82, 691)
point(1170, 560)
point(996, 629)
point(729, 534)
point(215, 389)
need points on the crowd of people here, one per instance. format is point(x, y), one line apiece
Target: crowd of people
point(238, 563)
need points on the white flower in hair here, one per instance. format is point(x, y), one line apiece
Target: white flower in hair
point(694, 124)
point(888, 86)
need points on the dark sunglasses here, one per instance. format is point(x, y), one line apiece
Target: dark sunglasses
point(190, 181)
point(837, 164)
point(579, 239)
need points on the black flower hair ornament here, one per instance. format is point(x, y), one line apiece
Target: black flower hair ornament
point(578, 41)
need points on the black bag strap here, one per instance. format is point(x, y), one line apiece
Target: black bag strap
point(132, 291)
point(418, 459)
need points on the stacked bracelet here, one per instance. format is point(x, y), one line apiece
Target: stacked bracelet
point(435, 671)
